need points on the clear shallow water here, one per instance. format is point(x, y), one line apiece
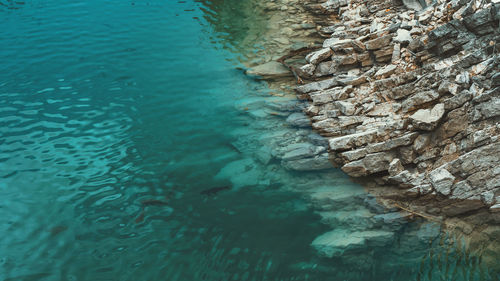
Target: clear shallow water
point(106, 106)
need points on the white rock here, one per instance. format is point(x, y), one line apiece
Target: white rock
point(463, 78)
point(346, 107)
point(462, 190)
point(395, 167)
point(488, 197)
point(426, 119)
point(402, 36)
point(442, 180)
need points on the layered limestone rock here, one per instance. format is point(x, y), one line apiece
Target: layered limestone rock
point(408, 92)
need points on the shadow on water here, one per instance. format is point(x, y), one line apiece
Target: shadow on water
point(237, 24)
point(153, 158)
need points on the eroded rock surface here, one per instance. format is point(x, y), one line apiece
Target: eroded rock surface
point(410, 94)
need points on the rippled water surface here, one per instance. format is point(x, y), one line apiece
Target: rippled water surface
point(116, 117)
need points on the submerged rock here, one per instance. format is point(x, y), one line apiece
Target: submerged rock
point(343, 242)
point(319, 162)
point(271, 69)
point(299, 120)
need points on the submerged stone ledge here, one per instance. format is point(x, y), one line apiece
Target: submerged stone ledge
point(410, 97)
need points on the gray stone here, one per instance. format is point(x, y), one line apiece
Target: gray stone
point(353, 80)
point(326, 68)
point(458, 100)
point(378, 43)
point(319, 56)
point(354, 154)
point(298, 120)
point(386, 71)
point(319, 162)
point(300, 150)
point(416, 45)
point(392, 143)
point(395, 167)
point(446, 87)
point(418, 99)
point(383, 109)
point(384, 55)
point(481, 22)
point(358, 46)
point(407, 154)
point(463, 78)
point(359, 219)
point(372, 163)
point(271, 69)
point(421, 142)
point(442, 180)
point(488, 197)
point(391, 220)
point(318, 86)
point(332, 5)
point(322, 97)
point(336, 42)
point(345, 107)
point(353, 140)
point(403, 179)
point(487, 110)
point(306, 70)
point(396, 53)
point(495, 80)
point(425, 119)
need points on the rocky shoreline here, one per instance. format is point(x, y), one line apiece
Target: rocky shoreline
point(407, 94)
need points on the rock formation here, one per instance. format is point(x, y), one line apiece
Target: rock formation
point(408, 93)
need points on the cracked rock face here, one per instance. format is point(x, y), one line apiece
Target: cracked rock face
point(409, 93)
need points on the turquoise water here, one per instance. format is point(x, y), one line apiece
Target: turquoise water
point(116, 117)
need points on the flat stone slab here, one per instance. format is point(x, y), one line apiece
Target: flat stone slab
point(359, 219)
point(270, 69)
point(340, 242)
point(338, 197)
